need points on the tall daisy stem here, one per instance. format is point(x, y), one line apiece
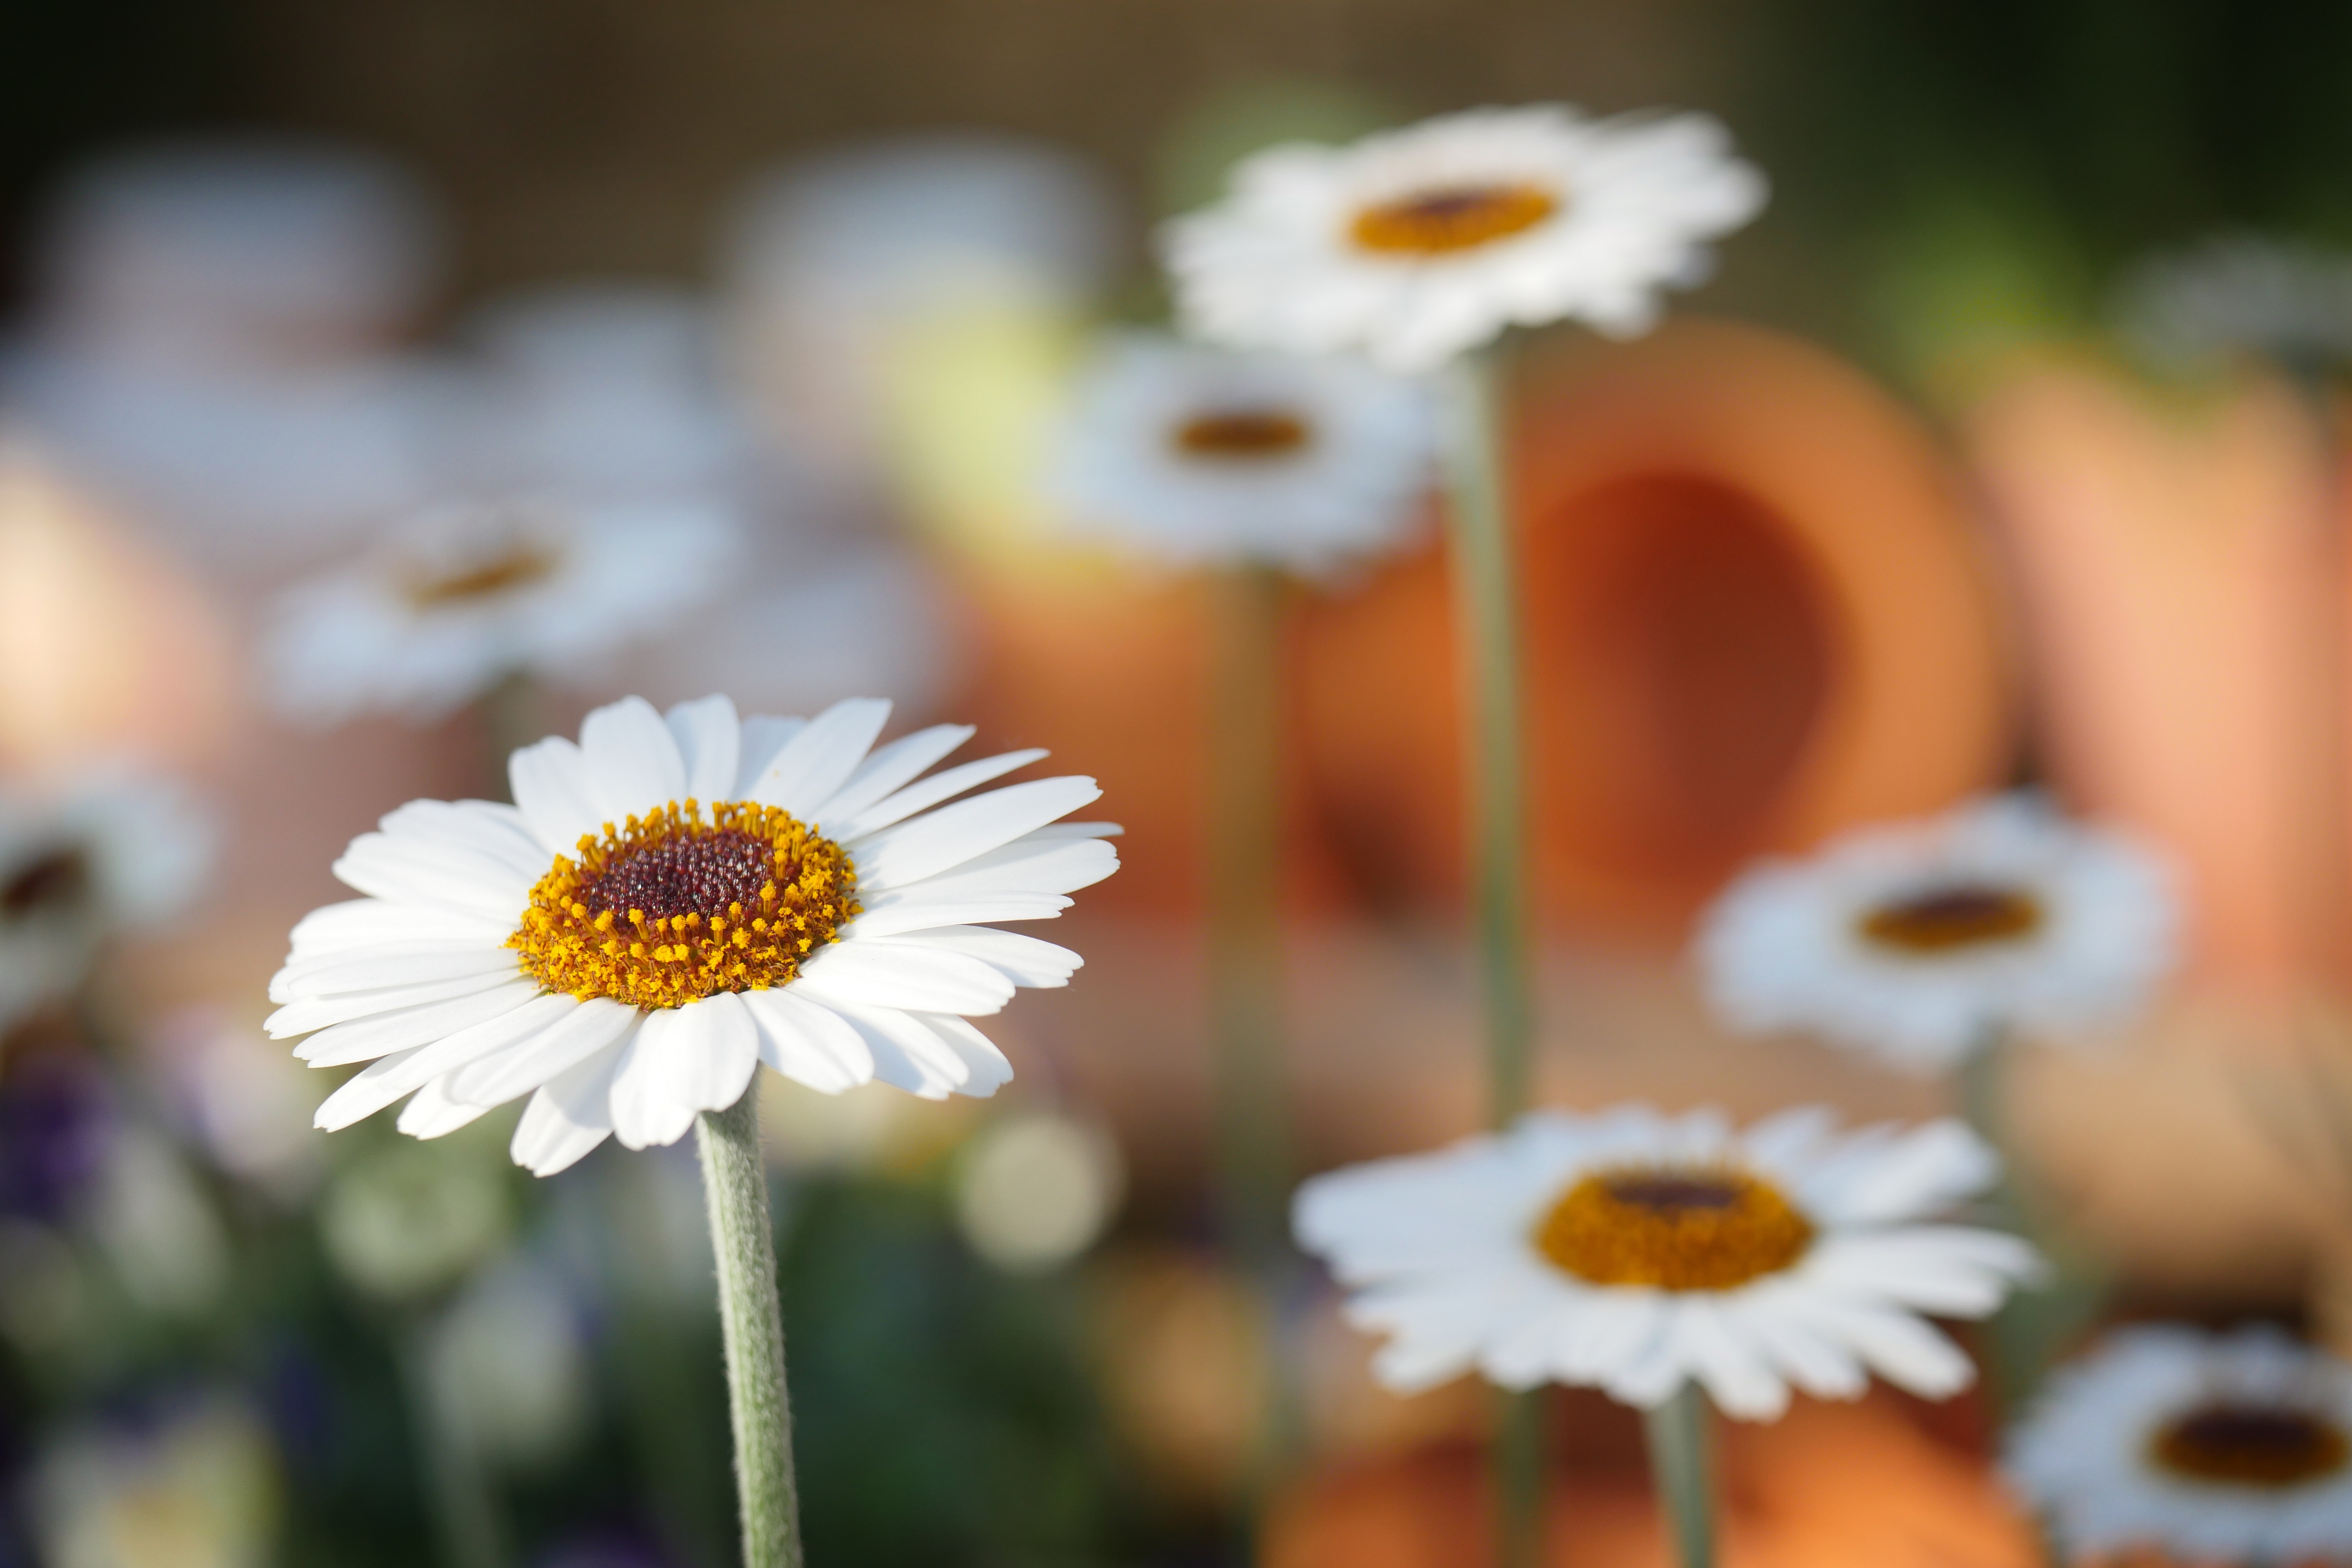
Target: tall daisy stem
point(1682, 1467)
point(752, 1322)
point(1486, 580)
point(1245, 974)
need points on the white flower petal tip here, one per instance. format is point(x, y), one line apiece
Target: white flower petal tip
point(2201, 1446)
point(1919, 944)
point(627, 987)
point(1636, 1253)
point(1194, 456)
point(1411, 246)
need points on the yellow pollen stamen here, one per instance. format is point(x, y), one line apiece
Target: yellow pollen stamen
point(1452, 219)
point(1712, 1229)
point(2270, 1447)
point(1942, 920)
point(680, 877)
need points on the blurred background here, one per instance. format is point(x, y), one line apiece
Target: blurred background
point(1932, 491)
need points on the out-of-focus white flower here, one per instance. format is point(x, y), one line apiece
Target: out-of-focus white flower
point(506, 1367)
point(2224, 1447)
point(2237, 294)
point(402, 1224)
point(87, 858)
point(1199, 456)
point(194, 1487)
point(1413, 246)
point(1035, 1190)
point(242, 1101)
point(158, 1231)
point(1919, 941)
point(1637, 1252)
point(745, 890)
point(468, 592)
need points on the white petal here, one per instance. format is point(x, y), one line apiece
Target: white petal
point(764, 737)
point(990, 1071)
point(818, 761)
point(808, 1043)
point(956, 835)
point(498, 833)
point(1739, 1377)
point(518, 1069)
point(720, 1068)
point(888, 768)
point(896, 975)
point(357, 922)
point(644, 1109)
point(549, 781)
point(405, 1028)
point(906, 1053)
point(365, 1092)
point(454, 1049)
point(1023, 866)
point(709, 741)
point(633, 763)
point(1901, 1345)
point(927, 793)
point(433, 1114)
point(302, 1017)
point(568, 1117)
point(387, 963)
point(1023, 960)
point(411, 870)
point(893, 914)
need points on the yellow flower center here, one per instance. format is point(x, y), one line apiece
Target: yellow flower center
point(677, 905)
point(1247, 435)
point(58, 880)
point(2251, 1446)
point(522, 564)
point(1940, 920)
point(1450, 218)
point(1704, 1229)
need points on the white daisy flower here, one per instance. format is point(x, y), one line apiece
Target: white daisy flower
point(1413, 246)
point(671, 903)
point(2240, 293)
point(2231, 1447)
point(1201, 455)
point(1636, 1252)
point(1919, 941)
point(111, 851)
point(466, 593)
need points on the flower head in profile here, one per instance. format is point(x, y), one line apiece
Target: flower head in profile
point(1921, 942)
point(1637, 1252)
point(2239, 294)
point(670, 902)
point(457, 597)
point(1201, 455)
point(113, 850)
point(2232, 1447)
point(1413, 246)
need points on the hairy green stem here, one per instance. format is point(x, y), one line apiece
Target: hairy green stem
point(1486, 580)
point(751, 1321)
point(1682, 1468)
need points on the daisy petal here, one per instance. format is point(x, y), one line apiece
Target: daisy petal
point(818, 761)
point(632, 764)
point(809, 1044)
point(895, 915)
point(433, 1114)
point(710, 743)
point(905, 974)
point(316, 1013)
point(1023, 960)
point(523, 1067)
point(452, 1048)
point(956, 835)
point(339, 1045)
point(551, 787)
point(922, 797)
point(568, 1116)
point(889, 767)
point(360, 922)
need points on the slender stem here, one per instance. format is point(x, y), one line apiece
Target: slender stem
point(1682, 1468)
point(457, 1491)
point(1485, 581)
point(751, 1321)
point(1246, 976)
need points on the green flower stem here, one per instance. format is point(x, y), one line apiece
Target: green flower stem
point(751, 1321)
point(1682, 1469)
point(1485, 578)
point(1245, 861)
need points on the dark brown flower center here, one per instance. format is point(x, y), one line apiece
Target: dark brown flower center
point(1940, 920)
point(2251, 1446)
point(1450, 218)
point(1707, 1229)
point(518, 567)
point(1247, 435)
point(58, 880)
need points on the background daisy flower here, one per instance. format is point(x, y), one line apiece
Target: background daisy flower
point(671, 903)
point(1636, 1252)
point(2231, 1447)
point(1413, 246)
point(461, 596)
point(1199, 456)
point(1919, 941)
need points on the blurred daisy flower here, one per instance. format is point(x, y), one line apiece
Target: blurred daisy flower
point(673, 901)
point(192, 1481)
point(112, 850)
point(1921, 942)
point(1413, 246)
point(2240, 293)
point(463, 594)
point(2231, 1447)
point(1636, 1252)
point(1200, 456)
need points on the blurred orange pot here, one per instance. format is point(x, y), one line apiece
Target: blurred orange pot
point(1755, 612)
